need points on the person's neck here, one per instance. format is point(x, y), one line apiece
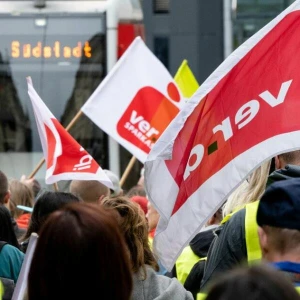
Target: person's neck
point(278, 257)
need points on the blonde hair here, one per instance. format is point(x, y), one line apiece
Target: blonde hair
point(20, 194)
point(249, 191)
point(134, 227)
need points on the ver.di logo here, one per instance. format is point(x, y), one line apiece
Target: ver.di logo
point(147, 116)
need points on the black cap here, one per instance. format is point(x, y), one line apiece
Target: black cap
point(280, 205)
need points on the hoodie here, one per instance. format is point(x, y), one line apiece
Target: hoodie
point(157, 287)
point(289, 171)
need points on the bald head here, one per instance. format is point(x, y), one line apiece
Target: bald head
point(90, 191)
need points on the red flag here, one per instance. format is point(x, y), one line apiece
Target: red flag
point(245, 113)
point(65, 158)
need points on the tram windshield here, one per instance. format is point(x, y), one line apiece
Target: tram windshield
point(66, 59)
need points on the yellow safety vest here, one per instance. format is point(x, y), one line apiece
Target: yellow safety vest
point(185, 263)
point(251, 235)
point(1, 290)
point(254, 254)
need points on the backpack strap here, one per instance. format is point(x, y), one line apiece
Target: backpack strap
point(2, 244)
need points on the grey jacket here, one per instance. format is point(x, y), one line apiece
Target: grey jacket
point(158, 287)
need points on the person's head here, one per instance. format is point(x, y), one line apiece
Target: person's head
point(278, 218)
point(7, 232)
point(249, 191)
point(90, 191)
point(46, 203)
point(117, 190)
point(80, 253)
point(134, 227)
point(254, 283)
point(4, 192)
point(20, 194)
point(216, 218)
point(288, 158)
point(136, 190)
point(152, 216)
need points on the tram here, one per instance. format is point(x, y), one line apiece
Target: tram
point(67, 48)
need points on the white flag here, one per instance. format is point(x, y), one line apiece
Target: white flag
point(246, 112)
point(136, 101)
point(65, 158)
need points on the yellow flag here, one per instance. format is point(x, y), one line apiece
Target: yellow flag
point(186, 80)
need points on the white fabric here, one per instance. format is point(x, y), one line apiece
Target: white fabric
point(137, 68)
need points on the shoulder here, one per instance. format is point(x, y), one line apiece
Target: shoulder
point(158, 287)
point(12, 252)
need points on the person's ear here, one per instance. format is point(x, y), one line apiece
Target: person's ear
point(7, 199)
point(278, 163)
point(101, 198)
point(263, 241)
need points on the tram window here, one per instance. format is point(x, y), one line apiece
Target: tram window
point(161, 50)
point(66, 59)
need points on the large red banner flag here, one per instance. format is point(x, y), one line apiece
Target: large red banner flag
point(65, 158)
point(246, 112)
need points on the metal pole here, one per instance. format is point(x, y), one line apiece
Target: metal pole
point(227, 22)
point(112, 38)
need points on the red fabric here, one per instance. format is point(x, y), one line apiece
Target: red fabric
point(23, 221)
point(152, 233)
point(141, 201)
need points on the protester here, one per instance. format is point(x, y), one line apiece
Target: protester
point(46, 203)
point(5, 200)
point(146, 283)
point(80, 254)
point(90, 191)
point(117, 190)
point(32, 183)
point(249, 191)
point(229, 247)
point(189, 266)
point(11, 258)
point(136, 190)
point(20, 194)
point(152, 217)
point(278, 218)
point(257, 282)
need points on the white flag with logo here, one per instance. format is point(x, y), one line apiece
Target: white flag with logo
point(246, 112)
point(136, 101)
point(65, 158)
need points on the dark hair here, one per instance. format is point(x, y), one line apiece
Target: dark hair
point(7, 232)
point(254, 283)
point(292, 157)
point(134, 227)
point(46, 203)
point(3, 186)
point(80, 254)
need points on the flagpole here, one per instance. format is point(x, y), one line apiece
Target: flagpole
point(73, 121)
point(127, 170)
point(55, 186)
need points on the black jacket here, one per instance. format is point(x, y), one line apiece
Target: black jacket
point(200, 245)
point(229, 246)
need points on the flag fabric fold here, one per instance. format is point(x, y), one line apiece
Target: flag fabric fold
point(136, 101)
point(245, 113)
point(65, 158)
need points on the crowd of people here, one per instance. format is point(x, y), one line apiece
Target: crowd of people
point(94, 242)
